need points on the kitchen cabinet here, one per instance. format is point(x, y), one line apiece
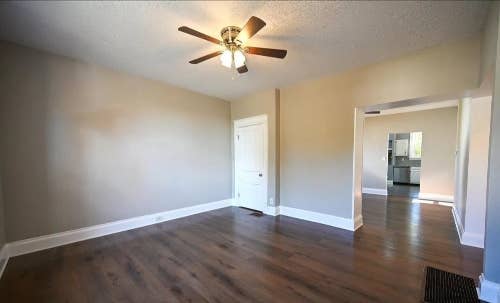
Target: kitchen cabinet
point(401, 148)
point(415, 175)
point(401, 174)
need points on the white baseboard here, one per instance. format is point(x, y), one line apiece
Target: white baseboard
point(4, 258)
point(488, 291)
point(375, 191)
point(358, 222)
point(268, 210)
point(44, 242)
point(326, 219)
point(466, 238)
point(458, 222)
point(272, 211)
point(472, 239)
point(435, 197)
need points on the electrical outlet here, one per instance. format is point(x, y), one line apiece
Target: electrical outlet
point(271, 201)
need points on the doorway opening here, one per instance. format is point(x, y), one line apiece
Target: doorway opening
point(404, 162)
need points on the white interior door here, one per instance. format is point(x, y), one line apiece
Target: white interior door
point(251, 164)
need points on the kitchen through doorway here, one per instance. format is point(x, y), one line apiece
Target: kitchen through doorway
point(404, 162)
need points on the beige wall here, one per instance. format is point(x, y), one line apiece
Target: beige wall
point(439, 128)
point(263, 103)
point(317, 119)
point(477, 173)
point(489, 43)
point(91, 123)
point(471, 168)
point(317, 129)
point(83, 145)
point(462, 158)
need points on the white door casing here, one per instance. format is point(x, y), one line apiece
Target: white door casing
point(250, 162)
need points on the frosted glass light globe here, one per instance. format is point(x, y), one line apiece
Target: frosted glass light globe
point(226, 59)
point(239, 58)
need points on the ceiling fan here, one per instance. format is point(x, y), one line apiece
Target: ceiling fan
point(234, 46)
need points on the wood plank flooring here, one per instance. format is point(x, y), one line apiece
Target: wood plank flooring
point(403, 190)
point(228, 255)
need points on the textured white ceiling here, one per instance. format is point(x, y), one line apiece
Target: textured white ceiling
point(321, 37)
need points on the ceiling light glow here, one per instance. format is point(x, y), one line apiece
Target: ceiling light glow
point(239, 58)
point(226, 59)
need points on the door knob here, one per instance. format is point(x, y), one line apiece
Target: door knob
point(260, 175)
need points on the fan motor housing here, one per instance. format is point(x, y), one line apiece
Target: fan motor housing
point(229, 34)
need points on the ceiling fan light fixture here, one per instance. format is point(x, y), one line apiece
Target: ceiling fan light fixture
point(239, 58)
point(226, 59)
point(233, 45)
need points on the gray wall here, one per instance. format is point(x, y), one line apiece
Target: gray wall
point(492, 234)
point(477, 172)
point(492, 239)
point(316, 151)
point(489, 44)
point(2, 217)
point(83, 145)
point(263, 103)
point(317, 120)
point(439, 131)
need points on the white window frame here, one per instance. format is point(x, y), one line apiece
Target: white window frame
point(410, 148)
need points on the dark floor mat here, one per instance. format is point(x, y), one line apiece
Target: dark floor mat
point(446, 287)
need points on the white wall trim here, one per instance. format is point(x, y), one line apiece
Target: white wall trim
point(4, 258)
point(435, 197)
point(357, 166)
point(466, 238)
point(344, 223)
point(272, 211)
point(472, 239)
point(251, 120)
point(48, 241)
point(375, 191)
point(458, 222)
point(488, 291)
point(358, 222)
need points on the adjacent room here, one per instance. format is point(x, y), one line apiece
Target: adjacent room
point(410, 151)
point(253, 151)
point(404, 166)
point(431, 154)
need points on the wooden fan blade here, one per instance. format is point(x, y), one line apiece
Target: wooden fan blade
point(268, 52)
point(206, 57)
point(196, 33)
point(253, 25)
point(242, 69)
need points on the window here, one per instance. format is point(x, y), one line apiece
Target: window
point(416, 145)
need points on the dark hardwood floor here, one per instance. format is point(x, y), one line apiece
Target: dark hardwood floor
point(228, 255)
point(403, 190)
